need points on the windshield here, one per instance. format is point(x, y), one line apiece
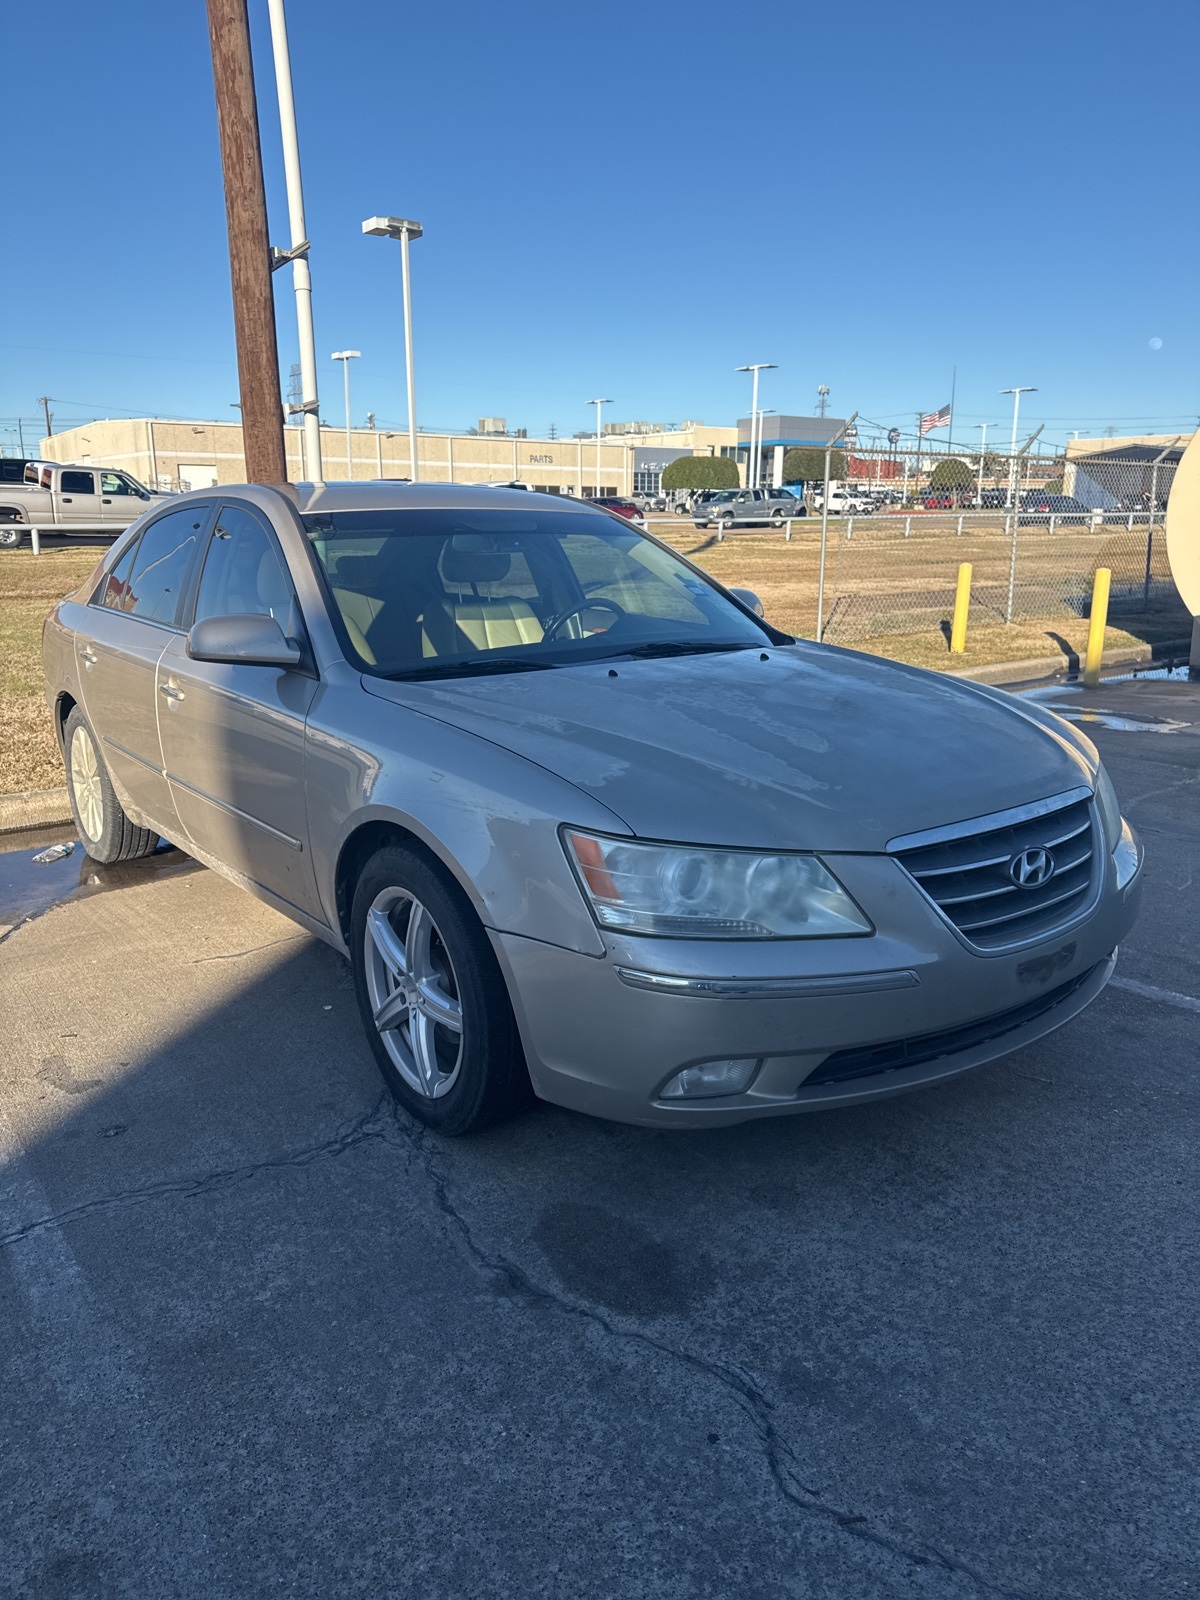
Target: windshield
point(444, 593)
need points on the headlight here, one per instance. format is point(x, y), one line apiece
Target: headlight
point(1110, 809)
point(687, 893)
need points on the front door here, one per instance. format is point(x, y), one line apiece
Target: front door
point(120, 503)
point(78, 500)
point(233, 734)
point(131, 621)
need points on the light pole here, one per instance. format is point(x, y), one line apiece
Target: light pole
point(404, 229)
point(599, 404)
point(752, 463)
point(983, 428)
point(346, 357)
point(1012, 451)
point(298, 253)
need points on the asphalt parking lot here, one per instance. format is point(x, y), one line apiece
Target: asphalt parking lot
point(261, 1335)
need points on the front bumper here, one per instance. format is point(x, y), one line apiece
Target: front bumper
point(605, 1035)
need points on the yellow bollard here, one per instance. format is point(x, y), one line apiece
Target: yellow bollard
point(1095, 644)
point(962, 604)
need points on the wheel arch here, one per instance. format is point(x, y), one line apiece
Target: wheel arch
point(63, 707)
point(372, 835)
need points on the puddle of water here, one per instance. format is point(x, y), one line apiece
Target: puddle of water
point(28, 888)
point(1112, 719)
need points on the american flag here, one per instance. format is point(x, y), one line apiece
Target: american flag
point(936, 419)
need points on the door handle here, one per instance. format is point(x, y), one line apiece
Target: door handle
point(106, 501)
point(171, 692)
point(67, 500)
point(89, 657)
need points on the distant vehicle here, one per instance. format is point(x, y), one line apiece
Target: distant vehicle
point(650, 502)
point(746, 507)
point(844, 502)
point(945, 500)
point(499, 483)
point(1039, 508)
point(70, 498)
point(991, 500)
point(617, 503)
point(690, 501)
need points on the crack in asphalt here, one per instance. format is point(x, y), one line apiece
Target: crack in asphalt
point(373, 1125)
point(388, 1124)
point(236, 955)
point(736, 1380)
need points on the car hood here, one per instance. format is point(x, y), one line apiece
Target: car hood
point(809, 748)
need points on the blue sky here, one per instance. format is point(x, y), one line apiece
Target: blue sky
point(628, 200)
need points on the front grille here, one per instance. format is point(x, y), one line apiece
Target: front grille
point(970, 878)
point(868, 1060)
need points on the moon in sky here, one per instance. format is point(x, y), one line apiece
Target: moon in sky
point(1156, 344)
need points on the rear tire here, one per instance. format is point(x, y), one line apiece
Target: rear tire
point(105, 832)
point(12, 535)
point(433, 999)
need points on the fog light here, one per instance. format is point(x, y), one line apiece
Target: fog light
point(712, 1078)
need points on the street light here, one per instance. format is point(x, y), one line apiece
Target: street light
point(346, 357)
point(983, 428)
point(404, 229)
point(599, 434)
point(752, 466)
point(1016, 394)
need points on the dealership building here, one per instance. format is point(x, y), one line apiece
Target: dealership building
point(175, 454)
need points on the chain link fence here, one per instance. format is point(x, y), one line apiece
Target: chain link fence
point(1034, 528)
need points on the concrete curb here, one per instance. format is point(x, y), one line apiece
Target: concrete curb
point(38, 808)
point(1067, 666)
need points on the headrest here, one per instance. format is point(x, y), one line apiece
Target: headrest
point(470, 558)
point(352, 572)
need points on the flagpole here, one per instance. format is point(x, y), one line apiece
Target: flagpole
point(953, 387)
point(917, 475)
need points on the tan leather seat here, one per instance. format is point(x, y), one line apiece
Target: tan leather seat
point(458, 624)
point(454, 626)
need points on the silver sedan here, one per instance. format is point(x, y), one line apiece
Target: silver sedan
point(586, 826)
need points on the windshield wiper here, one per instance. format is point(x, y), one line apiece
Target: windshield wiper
point(680, 647)
point(471, 669)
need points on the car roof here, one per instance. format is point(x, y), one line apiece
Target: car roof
point(382, 495)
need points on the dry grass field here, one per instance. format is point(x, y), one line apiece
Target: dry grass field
point(884, 593)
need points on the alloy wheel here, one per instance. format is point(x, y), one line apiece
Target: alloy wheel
point(85, 781)
point(414, 992)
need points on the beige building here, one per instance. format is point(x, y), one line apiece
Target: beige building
point(168, 454)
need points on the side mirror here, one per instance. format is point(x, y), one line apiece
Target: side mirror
point(252, 641)
point(749, 599)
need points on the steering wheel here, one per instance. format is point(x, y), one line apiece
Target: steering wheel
point(555, 623)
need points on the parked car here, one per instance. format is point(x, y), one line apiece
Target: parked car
point(70, 498)
point(1064, 508)
point(733, 508)
point(650, 502)
point(583, 823)
point(617, 503)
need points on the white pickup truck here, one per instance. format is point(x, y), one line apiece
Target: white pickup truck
point(70, 499)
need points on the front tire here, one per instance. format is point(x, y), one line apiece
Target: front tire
point(105, 832)
point(432, 997)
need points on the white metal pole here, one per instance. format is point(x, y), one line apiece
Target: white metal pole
point(599, 430)
point(349, 456)
point(301, 277)
point(414, 470)
point(754, 433)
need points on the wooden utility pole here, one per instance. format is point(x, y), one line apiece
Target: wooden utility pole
point(249, 246)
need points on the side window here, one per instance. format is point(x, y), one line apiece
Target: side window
point(114, 483)
point(78, 483)
point(161, 564)
point(114, 592)
point(243, 572)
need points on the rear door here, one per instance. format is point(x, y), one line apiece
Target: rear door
point(78, 497)
point(233, 734)
point(132, 618)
